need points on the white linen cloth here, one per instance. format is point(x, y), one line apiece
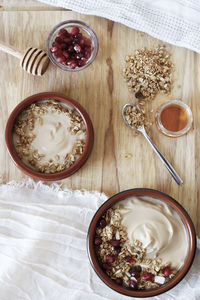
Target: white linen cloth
point(43, 254)
point(173, 21)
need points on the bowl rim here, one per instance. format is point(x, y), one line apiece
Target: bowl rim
point(60, 98)
point(190, 229)
point(60, 25)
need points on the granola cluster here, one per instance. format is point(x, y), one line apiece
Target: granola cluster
point(148, 72)
point(136, 116)
point(24, 127)
point(124, 263)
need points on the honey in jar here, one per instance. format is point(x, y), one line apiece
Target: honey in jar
point(174, 117)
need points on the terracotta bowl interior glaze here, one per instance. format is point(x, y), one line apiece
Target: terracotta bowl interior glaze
point(190, 231)
point(59, 98)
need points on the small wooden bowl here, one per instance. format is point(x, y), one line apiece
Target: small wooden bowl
point(190, 231)
point(11, 148)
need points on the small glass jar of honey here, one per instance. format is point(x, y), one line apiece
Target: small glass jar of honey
point(174, 118)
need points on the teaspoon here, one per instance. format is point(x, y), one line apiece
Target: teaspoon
point(142, 130)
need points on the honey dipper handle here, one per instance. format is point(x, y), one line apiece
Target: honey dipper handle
point(10, 50)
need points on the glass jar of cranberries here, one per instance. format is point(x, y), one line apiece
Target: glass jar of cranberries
point(72, 45)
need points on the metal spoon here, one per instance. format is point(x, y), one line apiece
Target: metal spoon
point(143, 131)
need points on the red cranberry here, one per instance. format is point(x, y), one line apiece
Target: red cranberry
point(58, 53)
point(70, 49)
point(67, 39)
point(79, 35)
point(102, 223)
point(133, 285)
point(75, 30)
point(79, 56)
point(77, 48)
point(135, 274)
point(97, 241)
point(63, 46)
point(58, 40)
point(114, 243)
point(72, 64)
point(75, 40)
point(129, 259)
point(66, 54)
point(60, 59)
point(88, 41)
point(53, 49)
point(87, 54)
point(148, 276)
point(110, 258)
point(166, 271)
point(63, 32)
point(119, 281)
point(107, 267)
point(82, 42)
point(83, 61)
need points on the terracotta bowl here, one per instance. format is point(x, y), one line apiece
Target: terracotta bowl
point(190, 231)
point(63, 99)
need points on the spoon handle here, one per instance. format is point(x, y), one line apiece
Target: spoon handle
point(169, 167)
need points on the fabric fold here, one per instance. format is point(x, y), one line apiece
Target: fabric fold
point(43, 231)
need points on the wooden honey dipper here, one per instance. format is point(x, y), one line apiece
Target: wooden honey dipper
point(34, 61)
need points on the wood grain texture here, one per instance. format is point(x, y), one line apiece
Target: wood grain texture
point(26, 5)
point(118, 161)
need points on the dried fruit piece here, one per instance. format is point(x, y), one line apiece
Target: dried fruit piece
point(148, 276)
point(114, 243)
point(166, 271)
point(75, 30)
point(110, 258)
point(129, 259)
point(97, 241)
point(119, 281)
point(107, 267)
point(133, 285)
point(135, 274)
point(102, 223)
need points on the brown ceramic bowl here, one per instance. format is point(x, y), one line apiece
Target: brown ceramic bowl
point(63, 99)
point(190, 231)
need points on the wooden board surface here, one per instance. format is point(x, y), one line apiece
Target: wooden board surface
point(118, 161)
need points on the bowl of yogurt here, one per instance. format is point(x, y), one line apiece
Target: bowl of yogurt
point(49, 136)
point(141, 242)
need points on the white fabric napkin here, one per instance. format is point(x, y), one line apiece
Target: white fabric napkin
point(43, 247)
point(173, 21)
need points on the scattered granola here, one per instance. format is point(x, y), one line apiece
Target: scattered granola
point(148, 72)
point(123, 262)
point(49, 137)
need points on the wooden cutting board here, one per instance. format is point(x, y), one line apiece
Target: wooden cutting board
point(119, 160)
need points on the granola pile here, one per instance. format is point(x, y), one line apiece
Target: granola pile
point(124, 263)
point(24, 136)
point(149, 71)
